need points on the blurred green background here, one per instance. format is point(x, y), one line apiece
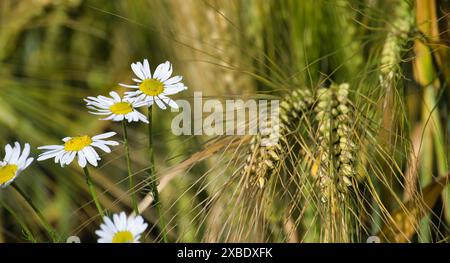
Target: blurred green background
point(55, 53)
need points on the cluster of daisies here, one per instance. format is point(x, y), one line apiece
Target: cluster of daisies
point(148, 89)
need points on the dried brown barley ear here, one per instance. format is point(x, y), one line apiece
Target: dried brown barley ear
point(266, 149)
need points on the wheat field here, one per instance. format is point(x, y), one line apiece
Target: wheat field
point(364, 96)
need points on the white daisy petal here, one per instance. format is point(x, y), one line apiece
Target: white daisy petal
point(115, 96)
point(103, 136)
point(103, 240)
point(70, 157)
point(28, 162)
point(118, 118)
point(59, 156)
point(8, 153)
point(110, 224)
point(141, 97)
point(167, 73)
point(81, 159)
point(169, 102)
point(48, 155)
point(101, 233)
point(101, 146)
point(137, 71)
point(16, 153)
point(64, 158)
point(123, 220)
point(173, 80)
point(173, 89)
point(51, 147)
point(105, 230)
point(160, 103)
point(159, 70)
point(90, 156)
point(100, 113)
point(147, 72)
point(129, 86)
point(111, 143)
point(108, 118)
point(117, 223)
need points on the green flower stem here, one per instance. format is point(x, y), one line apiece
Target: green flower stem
point(92, 190)
point(50, 231)
point(153, 180)
point(130, 174)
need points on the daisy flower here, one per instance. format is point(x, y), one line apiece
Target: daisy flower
point(15, 161)
point(117, 108)
point(81, 147)
point(121, 229)
point(155, 88)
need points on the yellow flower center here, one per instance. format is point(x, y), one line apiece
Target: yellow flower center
point(123, 237)
point(121, 108)
point(77, 143)
point(7, 173)
point(151, 87)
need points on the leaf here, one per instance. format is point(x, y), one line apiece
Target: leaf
point(405, 220)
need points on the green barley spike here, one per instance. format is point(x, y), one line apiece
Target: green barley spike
point(262, 160)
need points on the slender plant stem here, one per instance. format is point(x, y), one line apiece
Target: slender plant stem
point(130, 173)
point(28, 234)
point(92, 190)
point(50, 231)
point(153, 180)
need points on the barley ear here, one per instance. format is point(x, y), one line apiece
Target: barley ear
point(334, 163)
point(264, 158)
